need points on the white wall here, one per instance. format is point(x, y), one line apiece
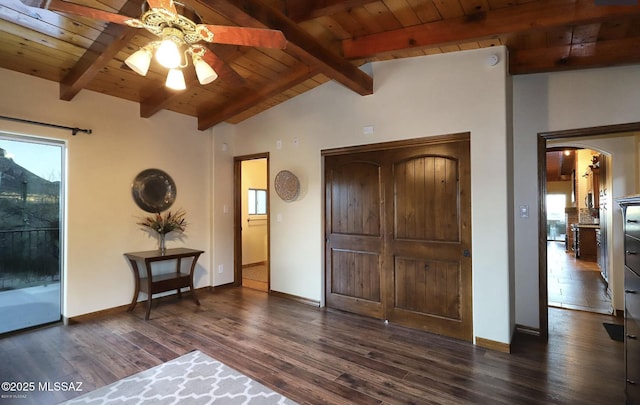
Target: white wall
point(413, 98)
point(553, 102)
point(101, 213)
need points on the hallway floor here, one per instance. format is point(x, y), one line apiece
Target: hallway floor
point(573, 283)
point(256, 277)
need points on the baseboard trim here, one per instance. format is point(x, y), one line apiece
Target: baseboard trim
point(527, 330)
point(295, 298)
point(493, 345)
point(122, 308)
point(94, 315)
point(262, 263)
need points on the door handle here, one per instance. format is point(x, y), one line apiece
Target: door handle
point(631, 252)
point(632, 336)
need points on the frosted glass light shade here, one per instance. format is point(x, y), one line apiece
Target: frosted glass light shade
point(168, 54)
point(205, 73)
point(175, 80)
point(139, 61)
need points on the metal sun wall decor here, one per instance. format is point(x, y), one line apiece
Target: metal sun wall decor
point(153, 190)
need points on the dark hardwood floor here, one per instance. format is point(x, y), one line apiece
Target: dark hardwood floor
point(318, 356)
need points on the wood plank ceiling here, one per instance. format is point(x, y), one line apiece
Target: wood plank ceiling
point(327, 40)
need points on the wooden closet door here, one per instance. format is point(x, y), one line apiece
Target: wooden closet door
point(354, 237)
point(398, 235)
point(428, 214)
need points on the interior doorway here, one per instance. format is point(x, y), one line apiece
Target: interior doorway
point(577, 231)
point(252, 208)
point(543, 254)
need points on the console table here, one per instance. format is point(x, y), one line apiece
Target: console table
point(153, 284)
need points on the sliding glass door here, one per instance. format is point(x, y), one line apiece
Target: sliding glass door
point(31, 197)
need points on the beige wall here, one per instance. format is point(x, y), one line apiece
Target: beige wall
point(101, 214)
point(424, 96)
point(559, 101)
point(413, 98)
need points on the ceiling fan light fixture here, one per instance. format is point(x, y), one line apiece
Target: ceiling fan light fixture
point(168, 54)
point(205, 73)
point(139, 61)
point(175, 80)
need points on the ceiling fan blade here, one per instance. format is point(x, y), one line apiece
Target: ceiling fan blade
point(259, 37)
point(65, 7)
point(163, 4)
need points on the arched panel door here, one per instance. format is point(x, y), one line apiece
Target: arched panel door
point(398, 233)
point(429, 273)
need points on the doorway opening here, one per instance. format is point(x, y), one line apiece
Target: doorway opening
point(543, 253)
point(31, 208)
point(252, 208)
point(576, 228)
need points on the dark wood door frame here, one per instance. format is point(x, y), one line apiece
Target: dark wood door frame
point(237, 214)
point(543, 137)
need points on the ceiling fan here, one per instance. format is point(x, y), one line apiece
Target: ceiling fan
point(180, 30)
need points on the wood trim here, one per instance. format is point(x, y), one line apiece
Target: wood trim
point(543, 137)
point(97, 314)
point(527, 330)
point(256, 264)
point(122, 308)
point(296, 298)
point(427, 140)
point(592, 131)
point(493, 345)
point(543, 292)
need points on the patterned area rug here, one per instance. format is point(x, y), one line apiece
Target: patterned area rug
point(194, 378)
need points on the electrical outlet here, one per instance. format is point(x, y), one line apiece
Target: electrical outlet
point(220, 268)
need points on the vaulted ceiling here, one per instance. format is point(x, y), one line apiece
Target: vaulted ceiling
point(326, 40)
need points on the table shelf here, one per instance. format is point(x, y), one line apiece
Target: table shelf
point(150, 283)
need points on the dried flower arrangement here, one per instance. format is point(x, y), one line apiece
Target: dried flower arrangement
point(165, 223)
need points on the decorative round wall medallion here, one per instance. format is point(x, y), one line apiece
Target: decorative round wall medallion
point(287, 185)
point(153, 190)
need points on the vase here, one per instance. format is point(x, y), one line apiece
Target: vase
point(162, 242)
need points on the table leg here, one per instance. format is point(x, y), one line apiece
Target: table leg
point(179, 290)
point(193, 291)
point(136, 289)
point(149, 289)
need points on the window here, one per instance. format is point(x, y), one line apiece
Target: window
point(31, 246)
point(257, 201)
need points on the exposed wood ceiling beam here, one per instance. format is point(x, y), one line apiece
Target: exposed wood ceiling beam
point(253, 13)
point(97, 56)
point(299, 11)
point(250, 98)
point(578, 56)
point(516, 19)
